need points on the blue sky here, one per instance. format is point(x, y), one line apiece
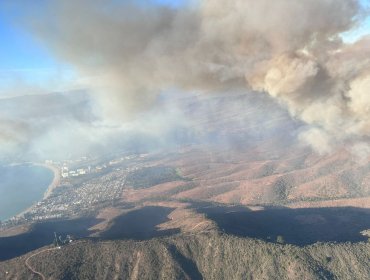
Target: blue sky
point(362, 30)
point(172, 3)
point(19, 51)
point(22, 57)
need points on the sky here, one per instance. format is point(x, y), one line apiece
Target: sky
point(128, 53)
point(363, 29)
point(25, 60)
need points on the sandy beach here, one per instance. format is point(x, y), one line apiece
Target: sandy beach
point(56, 180)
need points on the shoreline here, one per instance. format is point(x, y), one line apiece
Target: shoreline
point(56, 180)
point(54, 184)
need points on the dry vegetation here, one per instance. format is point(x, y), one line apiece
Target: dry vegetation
point(254, 176)
point(202, 256)
point(181, 183)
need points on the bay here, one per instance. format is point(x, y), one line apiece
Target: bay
point(21, 186)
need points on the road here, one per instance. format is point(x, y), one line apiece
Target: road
point(42, 276)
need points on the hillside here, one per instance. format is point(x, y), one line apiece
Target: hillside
point(201, 256)
point(270, 172)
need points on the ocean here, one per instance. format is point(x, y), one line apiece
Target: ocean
point(21, 186)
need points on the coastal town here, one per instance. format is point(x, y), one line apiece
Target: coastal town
point(80, 187)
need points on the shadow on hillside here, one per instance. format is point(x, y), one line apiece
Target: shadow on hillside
point(295, 226)
point(42, 234)
point(140, 224)
point(189, 266)
point(137, 224)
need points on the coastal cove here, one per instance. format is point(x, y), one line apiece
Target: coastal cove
point(23, 185)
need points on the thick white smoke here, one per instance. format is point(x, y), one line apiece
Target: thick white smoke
point(292, 50)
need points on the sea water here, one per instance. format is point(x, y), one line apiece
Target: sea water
point(21, 186)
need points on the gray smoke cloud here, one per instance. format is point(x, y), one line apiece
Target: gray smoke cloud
point(13, 136)
point(131, 51)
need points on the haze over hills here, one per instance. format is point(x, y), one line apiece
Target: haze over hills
point(245, 189)
point(230, 119)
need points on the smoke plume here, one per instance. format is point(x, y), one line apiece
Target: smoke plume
point(130, 51)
